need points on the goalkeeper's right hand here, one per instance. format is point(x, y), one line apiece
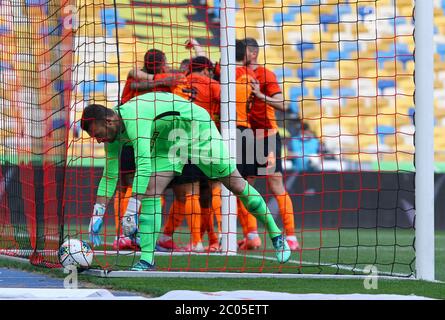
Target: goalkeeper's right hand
point(96, 223)
point(130, 219)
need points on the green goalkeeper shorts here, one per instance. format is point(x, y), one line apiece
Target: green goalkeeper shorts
point(196, 141)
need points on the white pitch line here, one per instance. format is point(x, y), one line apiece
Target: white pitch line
point(302, 263)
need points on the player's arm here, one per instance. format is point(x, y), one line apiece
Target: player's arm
point(108, 182)
point(276, 101)
point(199, 51)
point(105, 191)
point(146, 83)
point(139, 132)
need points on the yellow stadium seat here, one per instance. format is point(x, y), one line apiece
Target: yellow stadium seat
point(311, 109)
point(309, 18)
point(349, 68)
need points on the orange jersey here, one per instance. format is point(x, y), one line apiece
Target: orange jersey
point(129, 93)
point(203, 91)
point(244, 96)
point(262, 115)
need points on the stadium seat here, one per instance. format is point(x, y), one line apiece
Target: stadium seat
point(440, 49)
point(383, 131)
point(326, 19)
point(322, 92)
point(311, 2)
point(108, 18)
point(383, 84)
point(283, 73)
point(307, 73)
point(347, 92)
point(296, 94)
point(304, 46)
point(365, 11)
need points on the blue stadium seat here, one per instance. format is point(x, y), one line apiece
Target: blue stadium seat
point(347, 92)
point(283, 72)
point(322, 92)
point(38, 3)
point(364, 11)
point(440, 48)
point(302, 47)
point(326, 19)
point(327, 64)
point(307, 73)
point(98, 85)
point(59, 85)
point(295, 94)
point(86, 87)
point(383, 131)
point(411, 113)
point(108, 18)
point(384, 56)
point(349, 47)
point(306, 9)
point(282, 17)
point(35, 2)
point(311, 2)
point(4, 29)
point(54, 29)
point(303, 148)
point(58, 123)
point(383, 84)
point(5, 66)
point(404, 57)
point(344, 8)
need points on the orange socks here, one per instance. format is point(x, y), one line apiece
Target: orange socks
point(191, 210)
point(193, 216)
point(287, 213)
point(207, 225)
point(175, 217)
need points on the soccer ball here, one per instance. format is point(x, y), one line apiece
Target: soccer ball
point(75, 252)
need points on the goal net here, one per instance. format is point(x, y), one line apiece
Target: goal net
point(35, 77)
point(345, 194)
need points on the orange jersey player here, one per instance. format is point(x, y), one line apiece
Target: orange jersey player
point(268, 99)
point(199, 88)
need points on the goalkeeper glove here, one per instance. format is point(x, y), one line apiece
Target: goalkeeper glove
point(96, 223)
point(130, 218)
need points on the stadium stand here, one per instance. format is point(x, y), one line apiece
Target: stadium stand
point(315, 53)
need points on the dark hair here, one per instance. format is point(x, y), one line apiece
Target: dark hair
point(154, 61)
point(252, 43)
point(240, 51)
point(200, 63)
point(92, 113)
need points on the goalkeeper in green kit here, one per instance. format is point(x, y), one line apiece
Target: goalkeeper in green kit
point(166, 131)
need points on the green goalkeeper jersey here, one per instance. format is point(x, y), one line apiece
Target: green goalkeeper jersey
point(149, 121)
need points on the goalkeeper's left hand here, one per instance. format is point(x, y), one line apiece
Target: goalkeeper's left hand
point(130, 218)
point(96, 223)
